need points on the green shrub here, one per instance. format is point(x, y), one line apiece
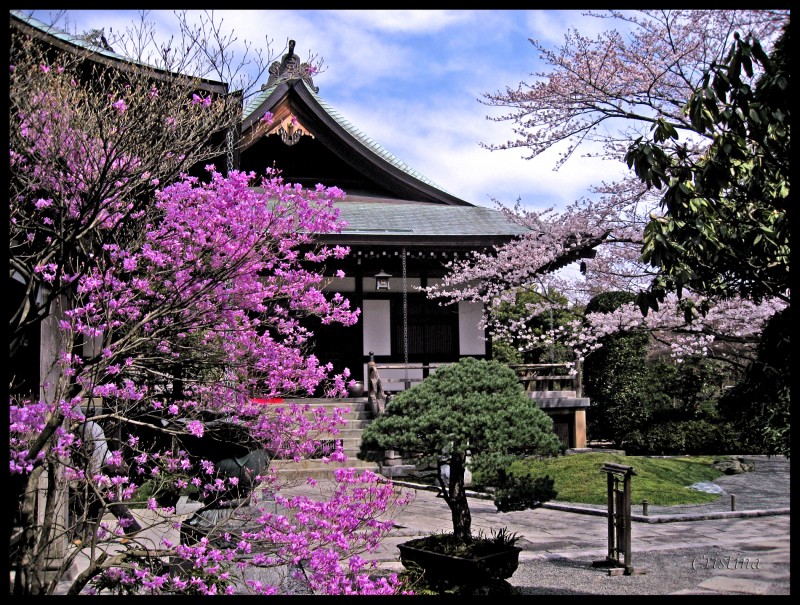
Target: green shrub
point(759, 406)
point(472, 413)
point(516, 492)
point(683, 437)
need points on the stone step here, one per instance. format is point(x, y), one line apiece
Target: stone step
point(358, 418)
point(551, 394)
point(350, 445)
point(352, 426)
point(317, 469)
point(359, 424)
point(357, 410)
point(354, 403)
point(347, 433)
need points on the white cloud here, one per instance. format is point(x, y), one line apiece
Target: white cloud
point(405, 21)
point(411, 80)
point(442, 142)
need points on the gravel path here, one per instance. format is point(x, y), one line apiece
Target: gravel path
point(668, 572)
point(750, 566)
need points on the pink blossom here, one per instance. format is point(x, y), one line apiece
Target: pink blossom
point(195, 428)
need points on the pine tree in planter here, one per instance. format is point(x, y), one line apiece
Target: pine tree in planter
point(472, 410)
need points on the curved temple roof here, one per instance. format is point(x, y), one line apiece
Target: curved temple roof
point(99, 53)
point(290, 83)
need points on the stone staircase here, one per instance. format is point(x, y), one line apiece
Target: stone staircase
point(358, 418)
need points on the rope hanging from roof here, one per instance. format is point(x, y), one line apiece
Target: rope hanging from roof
point(406, 384)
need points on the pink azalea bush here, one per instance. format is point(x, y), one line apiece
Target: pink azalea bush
point(178, 305)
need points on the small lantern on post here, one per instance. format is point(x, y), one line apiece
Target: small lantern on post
point(382, 280)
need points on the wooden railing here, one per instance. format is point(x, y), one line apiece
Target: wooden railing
point(406, 381)
point(535, 377)
point(543, 377)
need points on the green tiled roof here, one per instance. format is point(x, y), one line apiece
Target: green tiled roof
point(357, 134)
point(71, 39)
point(96, 50)
point(425, 219)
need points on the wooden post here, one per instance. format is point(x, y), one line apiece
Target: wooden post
point(626, 506)
point(52, 500)
point(612, 520)
point(618, 559)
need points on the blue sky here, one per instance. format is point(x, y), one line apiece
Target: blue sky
point(411, 81)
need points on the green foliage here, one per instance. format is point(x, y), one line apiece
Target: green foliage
point(413, 580)
point(507, 351)
point(607, 302)
point(480, 545)
point(683, 437)
point(661, 481)
point(471, 413)
point(651, 407)
point(475, 407)
point(163, 489)
point(759, 406)
point(615, 377)
point(725, 229)
point(523, 492)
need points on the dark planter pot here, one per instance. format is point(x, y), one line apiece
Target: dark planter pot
point(356, 390)
point(449, 570)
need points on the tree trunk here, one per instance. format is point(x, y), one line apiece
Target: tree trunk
point(23, 565)
point(456, 498)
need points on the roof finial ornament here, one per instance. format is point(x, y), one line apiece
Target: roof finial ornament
point(290, 68)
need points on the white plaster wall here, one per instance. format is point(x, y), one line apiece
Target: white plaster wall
point(471, 339)
point(377, 327)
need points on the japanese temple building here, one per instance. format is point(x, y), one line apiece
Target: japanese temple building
point(400, 225)
point(401, 228)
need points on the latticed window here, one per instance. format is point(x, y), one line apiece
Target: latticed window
point(432, 330)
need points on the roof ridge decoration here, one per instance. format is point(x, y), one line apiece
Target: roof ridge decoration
point(290, 68)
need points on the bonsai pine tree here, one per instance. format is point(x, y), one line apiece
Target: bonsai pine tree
point(476, 413)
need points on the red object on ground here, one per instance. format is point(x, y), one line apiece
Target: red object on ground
point(270, 400)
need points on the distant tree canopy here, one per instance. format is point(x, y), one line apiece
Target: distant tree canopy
point(515, 344)
point(615, 377)
point(759, 406)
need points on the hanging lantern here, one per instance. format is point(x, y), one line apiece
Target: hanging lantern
point(382, 280)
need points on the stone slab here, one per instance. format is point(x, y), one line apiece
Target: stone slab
point(738, 585)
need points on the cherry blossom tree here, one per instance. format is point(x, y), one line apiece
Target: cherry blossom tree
point(177, 300)
point(723, 224)
point(600, 95)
